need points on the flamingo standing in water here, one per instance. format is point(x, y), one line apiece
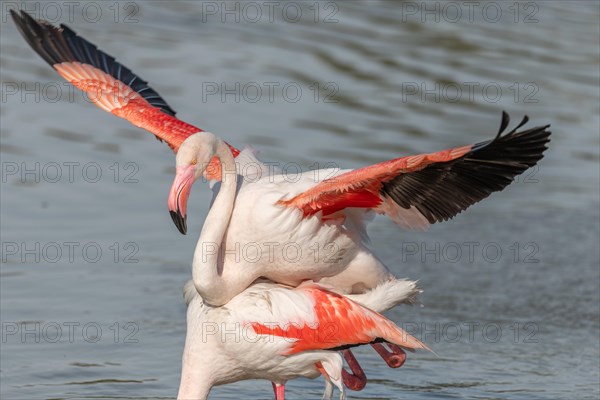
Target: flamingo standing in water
point(325, 218)
point(414, 191)
point(278, 333)
point(103, 79)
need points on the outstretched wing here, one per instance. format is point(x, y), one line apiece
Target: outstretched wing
point(331, 322)
point(419, 190)
point(108, 84)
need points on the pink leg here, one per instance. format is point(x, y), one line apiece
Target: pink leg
point(279, 391)
point(357, 380)
point(394, 358)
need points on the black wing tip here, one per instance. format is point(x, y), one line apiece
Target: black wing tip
point(31, 30)
point(61, 44)
point(503, 123)
point(19, 16)
point(513, 133)
point(440, 191)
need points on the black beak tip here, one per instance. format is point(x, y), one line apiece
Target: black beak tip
point(179, 221)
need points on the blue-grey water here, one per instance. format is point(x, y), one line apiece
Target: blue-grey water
point(92, 266)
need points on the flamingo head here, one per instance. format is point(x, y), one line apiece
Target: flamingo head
point(193, 157)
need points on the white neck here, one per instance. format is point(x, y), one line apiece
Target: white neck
point(205, 273)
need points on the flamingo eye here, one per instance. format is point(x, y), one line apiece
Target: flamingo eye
point(194, 161)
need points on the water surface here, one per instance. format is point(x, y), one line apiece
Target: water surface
point(510, 301)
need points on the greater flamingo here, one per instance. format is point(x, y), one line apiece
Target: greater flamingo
point(279, 333)
point(103, 79)
point(323, 219)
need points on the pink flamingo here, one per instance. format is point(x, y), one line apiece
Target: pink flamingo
point(324, 213)
point(114, 88)
point(278, 333)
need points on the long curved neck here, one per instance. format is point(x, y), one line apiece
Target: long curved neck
point(205, 272)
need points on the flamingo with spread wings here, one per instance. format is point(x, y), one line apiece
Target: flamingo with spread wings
point(324, 220)
point(278, 333)
point(114, 88)
point(265, 225)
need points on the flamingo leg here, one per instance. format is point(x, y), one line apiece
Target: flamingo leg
point(279, 391)
point(357, 380)
point(394, 358)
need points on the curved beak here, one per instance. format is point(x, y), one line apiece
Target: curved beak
point(178, 197)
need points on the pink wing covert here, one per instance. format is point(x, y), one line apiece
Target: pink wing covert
point(337, 322)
